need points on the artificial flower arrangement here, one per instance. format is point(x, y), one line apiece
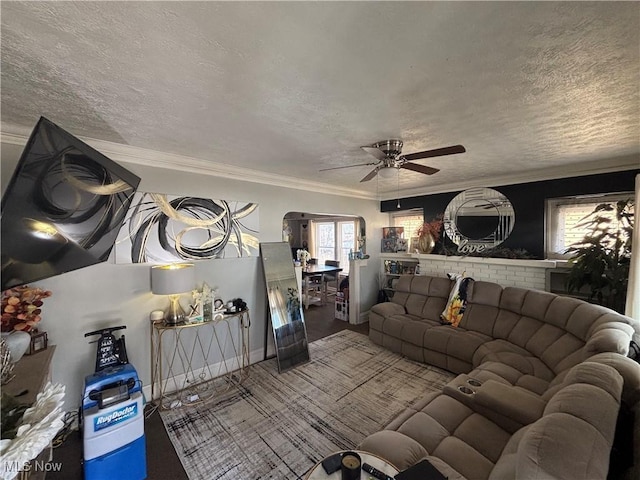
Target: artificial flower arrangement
point(21, 308)
point(433, 228)
point(26, 435)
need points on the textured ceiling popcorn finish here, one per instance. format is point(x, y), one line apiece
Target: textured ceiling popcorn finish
point(275, 90)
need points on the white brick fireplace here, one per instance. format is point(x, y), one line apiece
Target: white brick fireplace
point(506, 272)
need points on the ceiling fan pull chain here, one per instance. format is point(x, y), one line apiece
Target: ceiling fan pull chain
point(398, 205)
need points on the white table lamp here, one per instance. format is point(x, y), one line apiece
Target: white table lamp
point(173, 280)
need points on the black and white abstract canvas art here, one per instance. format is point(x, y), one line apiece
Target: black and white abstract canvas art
point(162, 229)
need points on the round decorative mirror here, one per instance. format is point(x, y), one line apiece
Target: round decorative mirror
point(478, 219)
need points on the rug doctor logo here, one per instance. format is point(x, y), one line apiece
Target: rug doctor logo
point(115, 417)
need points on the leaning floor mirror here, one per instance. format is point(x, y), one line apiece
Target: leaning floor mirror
point(287, 319)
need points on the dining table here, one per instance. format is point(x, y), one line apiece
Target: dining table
point(313, 273)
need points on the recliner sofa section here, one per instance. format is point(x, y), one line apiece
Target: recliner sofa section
point(523, 337)
point(571, 439)
point(540, 381)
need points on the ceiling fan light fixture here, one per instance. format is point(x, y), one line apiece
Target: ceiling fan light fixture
point(388, 172)
point(389, 161)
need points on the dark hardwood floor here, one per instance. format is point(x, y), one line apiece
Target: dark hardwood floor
point(162, 460)
point(321, 323)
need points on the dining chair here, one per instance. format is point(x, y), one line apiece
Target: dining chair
point(331, 278)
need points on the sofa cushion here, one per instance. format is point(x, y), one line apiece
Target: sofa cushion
point(415, 328)
point(465, 459)
point(590, 373)
point(480, 318)
point(503, 373)
point(422, 296)
point(387, 309)
point(485, 293)
point(516, 357)
point(412, 336)
point(446, 429)
point(482, 435)
point(564, 353)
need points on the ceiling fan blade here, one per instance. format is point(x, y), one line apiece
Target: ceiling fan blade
point(420, 168)
point(371, 174)
point(349, 166)
point(438, 152)
point(376, 152)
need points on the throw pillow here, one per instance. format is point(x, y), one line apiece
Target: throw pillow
point(457, 303)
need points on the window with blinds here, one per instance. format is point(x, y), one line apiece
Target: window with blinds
point(564, 216)
point(411, 220)
point(334, 240)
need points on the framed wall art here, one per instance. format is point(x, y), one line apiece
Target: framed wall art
point(162, 228)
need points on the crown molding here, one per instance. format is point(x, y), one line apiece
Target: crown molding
point(151, 158)
point(617, 164)
point(142, 156)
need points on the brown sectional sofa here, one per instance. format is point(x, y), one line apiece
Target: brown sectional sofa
point(541, 380)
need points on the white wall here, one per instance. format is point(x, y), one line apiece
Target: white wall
point(109, 295)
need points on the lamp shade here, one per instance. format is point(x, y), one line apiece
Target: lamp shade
point(388, 172)
point(173, 279)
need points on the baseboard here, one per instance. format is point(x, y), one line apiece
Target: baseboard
point(363, 318)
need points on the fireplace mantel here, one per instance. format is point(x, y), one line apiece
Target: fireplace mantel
point(514, 262)
point(505, 271)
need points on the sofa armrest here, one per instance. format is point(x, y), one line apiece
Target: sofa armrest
point(611, 338)
point(512, 402)
point(630, 371)
point(396, 448)
point(387, 309)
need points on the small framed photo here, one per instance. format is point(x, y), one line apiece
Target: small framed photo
point(401, 245)
point(388, 245)
point(392, 232)
point(38, 342)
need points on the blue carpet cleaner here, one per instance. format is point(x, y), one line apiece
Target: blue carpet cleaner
point(112, 415)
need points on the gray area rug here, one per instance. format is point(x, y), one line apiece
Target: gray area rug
point(280, 425)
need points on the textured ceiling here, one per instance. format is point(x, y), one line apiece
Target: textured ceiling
point(531, 89)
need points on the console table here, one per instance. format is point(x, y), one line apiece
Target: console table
point(191, 362)
point(32, 372)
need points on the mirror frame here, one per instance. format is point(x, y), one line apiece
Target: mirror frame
point(506, 219)
point(285, 307)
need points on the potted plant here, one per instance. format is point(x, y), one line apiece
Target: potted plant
point(602, 258)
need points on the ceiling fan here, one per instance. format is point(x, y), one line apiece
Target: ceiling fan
point(388, 154)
